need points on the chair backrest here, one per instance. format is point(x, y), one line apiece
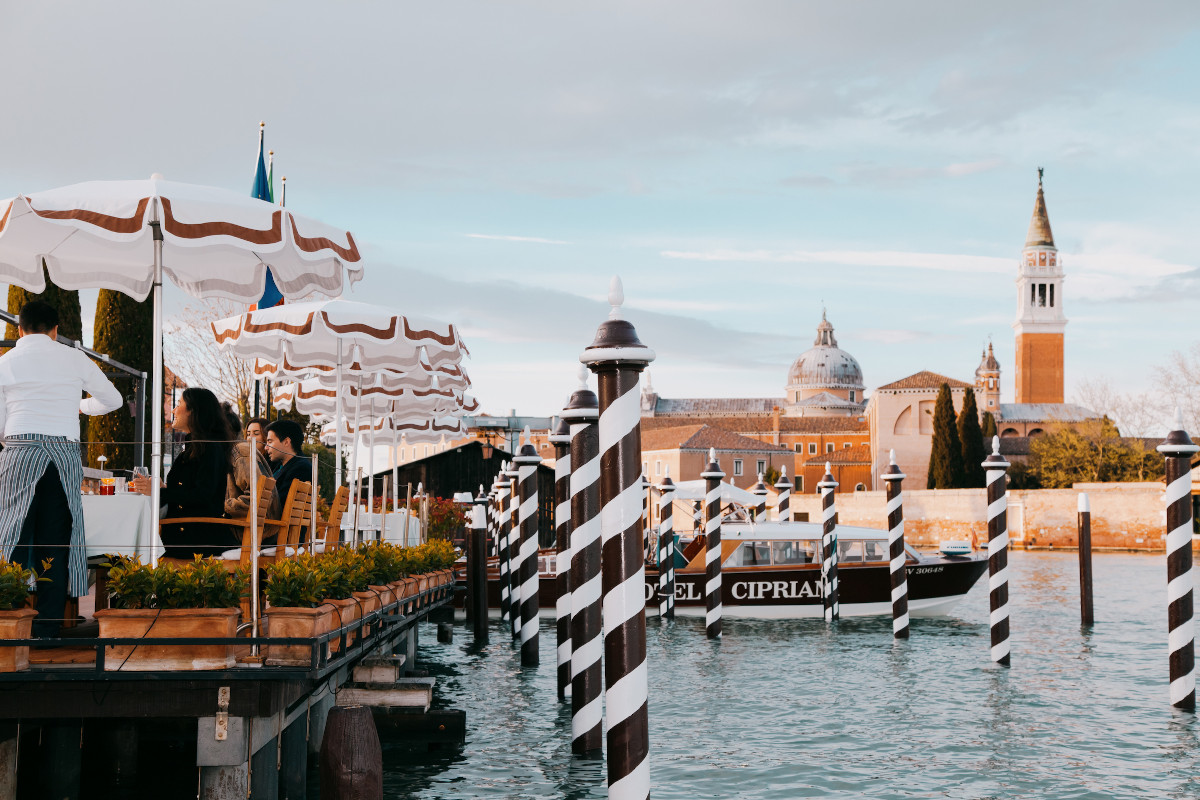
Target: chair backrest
point(333, 526)
point(252, 537)
point(296, 511)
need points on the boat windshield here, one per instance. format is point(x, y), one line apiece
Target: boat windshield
point(862, 550)
point(761, 554)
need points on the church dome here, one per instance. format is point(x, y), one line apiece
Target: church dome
point(825, 366)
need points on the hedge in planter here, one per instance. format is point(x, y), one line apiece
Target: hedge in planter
point(296, 592)
point(16, 621)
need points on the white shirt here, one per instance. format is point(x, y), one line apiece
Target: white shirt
point(41, 383)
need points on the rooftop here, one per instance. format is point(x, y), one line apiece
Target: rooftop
point(703, 437)
point(680, 406)
point(764, 423)
point(1045, 412)
point(925, 380)
point(859, 454)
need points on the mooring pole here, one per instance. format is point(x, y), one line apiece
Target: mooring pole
point(898, 568)
point(996, 469)
point(712, 546)
point(515, 556)
point(666, 548)
point(829, 545)
point(502, 543)
point(1177, 450)
point(648, 545)
point(1085, 560)
point(617, 357)
point(528, 461)
point(561, 439)
point(783, 502)
point(477, 568)
point(759, 490)
point(582, 412)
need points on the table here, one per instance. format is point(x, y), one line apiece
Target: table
point(392, 526)
point(120, 524)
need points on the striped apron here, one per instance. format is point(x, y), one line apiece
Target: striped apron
point(22, 463)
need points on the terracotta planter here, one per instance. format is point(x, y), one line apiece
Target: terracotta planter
point(386, 595)
point(369, 602)
point(15, 624)
point(286, 622)
point(346, 614)
point(150, 624)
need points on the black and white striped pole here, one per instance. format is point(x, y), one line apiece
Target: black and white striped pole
point(502, 542)
point(697, 516)
point(617, 358)
point(783, 486)
point(561, 439)
point(893, 478)
point(712, 476)
point(996, 469)
point(759, 490)
point(477, 564)
point(527, 466)
point(493, 548)
point(666, 548)
point(647, 529)
point(587, 712)
point(1177, 450)
point(829, 545)
point(513, 514)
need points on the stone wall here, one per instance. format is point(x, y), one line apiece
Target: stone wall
point(1125, 516)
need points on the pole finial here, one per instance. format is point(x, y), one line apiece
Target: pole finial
point(668, 471)
point(1178, 418)
point(783, 472)
point(583, 376)
point(828, 470)
point(995, 445)
point(892, 458)
point(760, 480)
point(616, 297)
point(526, 436)
point(712, 454)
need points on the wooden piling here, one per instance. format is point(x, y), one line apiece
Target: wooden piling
point(351, 756)
point(477, 570)
point(264, 770)
point(1085, 560)
point(293, 760)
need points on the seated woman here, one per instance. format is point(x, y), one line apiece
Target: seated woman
point(196, 482)
point(237, 487)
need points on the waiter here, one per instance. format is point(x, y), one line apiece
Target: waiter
point(41, 469)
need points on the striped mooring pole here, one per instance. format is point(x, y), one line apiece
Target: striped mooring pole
point(514, 546)
point(759, 490)
point(582, 412)
point(502, 541)
point(996, 469)
point(477, 566)
point(561, 439)
point(897, 558)
point(493, 547)
point(1086, 615)
point(617, 357)
point(647, 529)
point(528, 461)
point(829, 545)
point(666, 548)
point(783, 486)
point(697, 516)
point(712, 553)
point(1177, 450)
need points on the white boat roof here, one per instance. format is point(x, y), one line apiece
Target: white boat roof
point(792, 531)
point(694, 490)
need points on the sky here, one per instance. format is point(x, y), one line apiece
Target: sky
point(741, 166)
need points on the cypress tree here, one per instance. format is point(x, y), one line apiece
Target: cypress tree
point(971, 438)
point(123, 332)
point(945, 455)
point(989, 430)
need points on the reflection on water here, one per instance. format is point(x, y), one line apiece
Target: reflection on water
point(787, 709)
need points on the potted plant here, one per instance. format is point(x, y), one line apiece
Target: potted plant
point(339, 592)
point(381, 568)
point(16, 621)
point(296, 607)
point(200, 599)
point(355, 566)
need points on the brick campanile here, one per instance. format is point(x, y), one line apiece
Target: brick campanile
point(1040, 319)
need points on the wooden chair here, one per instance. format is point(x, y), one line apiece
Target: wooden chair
point(290, 527)
point(251, 536)
point(332, 527)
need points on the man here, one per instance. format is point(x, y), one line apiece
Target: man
point(41, 472)
point(256, 431)
point(284, 442)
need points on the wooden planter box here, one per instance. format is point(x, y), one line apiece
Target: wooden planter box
point(368, 602)
point(15, 624)
point(285, 622)
point(151, 624)
point(387, 595)
point(345, 612)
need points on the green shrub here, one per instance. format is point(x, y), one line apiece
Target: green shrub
point(296, 583)
point(14, 584)
point(203, 583)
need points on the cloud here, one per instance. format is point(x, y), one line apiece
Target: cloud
point(893, 335)
point(883, 174)
point(535, 239)
point(863, 258)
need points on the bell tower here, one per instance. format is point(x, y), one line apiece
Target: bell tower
point(1040, 320)
point(987, 382)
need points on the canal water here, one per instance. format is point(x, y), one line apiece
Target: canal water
point(791, 709)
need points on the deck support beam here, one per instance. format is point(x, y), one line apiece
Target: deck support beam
point(293, 760)
point(62, 759)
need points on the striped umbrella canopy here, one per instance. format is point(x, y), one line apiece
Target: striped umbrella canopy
point(449, 376)
point(312, 397)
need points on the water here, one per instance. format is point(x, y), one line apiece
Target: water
point(800, 709)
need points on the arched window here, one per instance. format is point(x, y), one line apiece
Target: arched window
point(858, 487)
point(1036, 432)
point(1008, 433)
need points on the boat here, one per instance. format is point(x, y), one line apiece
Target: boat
point(772, 570)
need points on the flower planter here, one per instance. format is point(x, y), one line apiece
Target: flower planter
point(286, 622)
point(386, 595)
point(346, 612)
point(170, 623)
point(15, 624)
point(368, 603)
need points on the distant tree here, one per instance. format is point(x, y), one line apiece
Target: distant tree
point(1090, 451)
point(124, 332)
point(325, 469)
point(989, 430)
point(945, 455)
point(771, 476)
point(192, 352)
point(970, 437)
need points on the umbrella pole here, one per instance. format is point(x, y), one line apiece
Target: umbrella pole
point(395, 472)
point(156, 431)
point(337, 401)
point(371, 473)
point(354, 459)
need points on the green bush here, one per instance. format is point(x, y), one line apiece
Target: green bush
point(14, 584)
point(203, 583)
point(296, 583)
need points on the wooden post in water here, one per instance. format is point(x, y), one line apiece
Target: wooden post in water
point(996, 469)
point(617, 357)
point(829, 545)
point(1181, 633)
point(666, 548)
point(1085, 560)
point(898, 558)
point(712, 547)
point(528, 461)
point(561, 439)
point(351, 757)
point(582, 412)
point(783, 486)
point(477, 569)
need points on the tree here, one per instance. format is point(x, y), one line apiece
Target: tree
point(192, 352)
point(325, 469)
point(970, 437)
point(945, 456)
point(989, 430)
point(1178, 383)
point(771, 476)
point(124, 332)
point(1090, 451)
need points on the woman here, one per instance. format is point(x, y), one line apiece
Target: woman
point(237, 490)
point(196, 482)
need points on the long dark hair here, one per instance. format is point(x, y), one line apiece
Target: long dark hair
point(208, 424)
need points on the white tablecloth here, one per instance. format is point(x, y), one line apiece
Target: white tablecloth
point(393, 526)
point(120, 524)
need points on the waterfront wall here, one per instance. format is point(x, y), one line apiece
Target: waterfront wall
point(1125, 516)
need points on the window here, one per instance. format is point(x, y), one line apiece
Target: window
point(858, 487)
point(800, 488)
point(1041, 295)
point(658, 467)
point(812, 448)
point(829, 447)
point(845, 445)
point(793, 552)
point(1033, 294)
point(737, 466)
point(1052, 295)
point(991, 403)
point(645, 467)
point(762, 466)
point(852, 396)
point(799, 448)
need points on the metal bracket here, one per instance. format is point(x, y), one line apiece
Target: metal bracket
point(221, 732)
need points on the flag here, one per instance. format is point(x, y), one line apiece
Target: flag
point(263, 191)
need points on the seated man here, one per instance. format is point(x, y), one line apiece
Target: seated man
point(284, 442)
